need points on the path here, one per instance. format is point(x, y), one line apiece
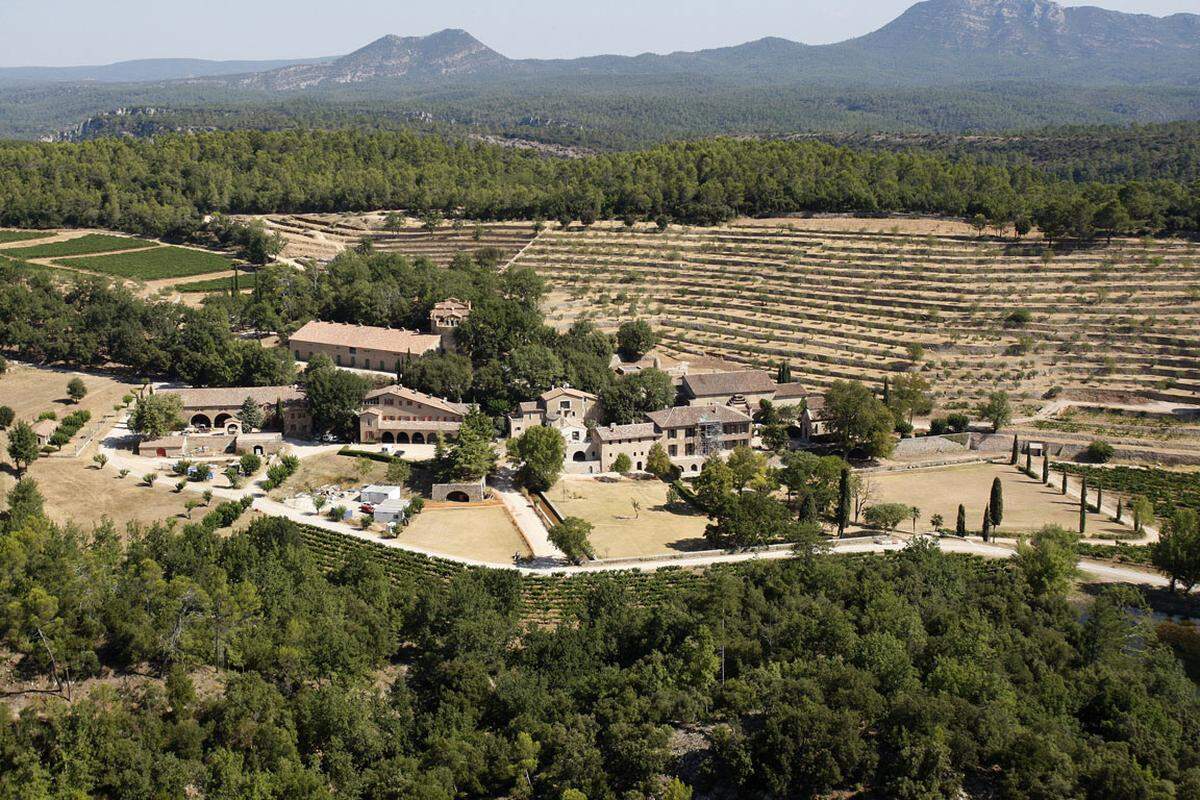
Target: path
point(528, 522)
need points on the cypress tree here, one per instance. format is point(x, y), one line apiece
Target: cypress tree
point(808, 509)
point(1120, 509)
point(843, 506)
point(960, 525)
point(1029, 462)
point(996, 503)
point(1099, 496)
point(1046, 469)
point(1064, 486)
point(886, 391)
point(986, 529)
point(1083, 507)
point(1016, 453)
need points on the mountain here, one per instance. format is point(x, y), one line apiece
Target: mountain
point(145, 70)
point(443, 55)
point(933, 43)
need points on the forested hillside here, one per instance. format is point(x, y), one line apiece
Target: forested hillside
point(166, 185)
point(252, 673)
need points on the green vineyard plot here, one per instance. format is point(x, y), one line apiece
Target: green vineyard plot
point(90, 244)
point(156, 264)
point(21, 236)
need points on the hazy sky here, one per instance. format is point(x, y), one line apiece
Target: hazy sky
point(69, 32)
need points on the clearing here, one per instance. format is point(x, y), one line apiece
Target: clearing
point(618, 530)
point(1028, 505)
point(482, 532)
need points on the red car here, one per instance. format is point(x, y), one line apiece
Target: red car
point(367, 508)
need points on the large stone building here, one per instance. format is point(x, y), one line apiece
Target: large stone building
point(219, 409)
point(571, 412)
point(693, 433)
point(742, 390)
point(399, 415)
point(361, 346)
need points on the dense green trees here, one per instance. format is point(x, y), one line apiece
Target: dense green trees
point(334, 397)
point(22, 445)
point(538, 455)
point(630, 396)
point(911, 675)
point(634, 339)
point(571, 537)
point(163, 186)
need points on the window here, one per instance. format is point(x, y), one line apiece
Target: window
point(297, 355)
point(564, 405)
point(339, 359)
point(673, 450)
point(353, 350)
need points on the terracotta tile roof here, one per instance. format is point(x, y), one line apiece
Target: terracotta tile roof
point(567, 390)
point(526, 407)
point(452, 304)
point(368, 337)
point(638, 430)
point(45, 427)
point(788, 391)
point(235, 396)
point(711, 384)
point(404, 393)
point(686, 416)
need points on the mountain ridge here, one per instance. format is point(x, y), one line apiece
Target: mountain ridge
point(931, 42)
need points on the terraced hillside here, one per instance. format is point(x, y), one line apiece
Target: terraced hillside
point(865, 299)
point(323, 236)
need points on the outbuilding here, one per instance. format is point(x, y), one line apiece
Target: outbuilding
point(379, 494)
point(389, 512)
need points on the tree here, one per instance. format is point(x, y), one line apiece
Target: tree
point(886, 516)
point(1113, 219)
point(915, 514)
point(635, 339)
point(22, 445)
point(1142, 510)
point(445, 375)
point(471, 455)
point(1100, 452)
point(937, 522)
point(1083, 507)
point(621, 464)
point(997, 410)
point(859, 420)
point(1045, 469)
point(398, 472)
point(909, 396)
point(753, 518)
point(658, 463)
point(156, 415)
point(539, 453)
point(6, 417)
point(746, 466)
point(149, 478)
point(190, 505)
point(986, 529)
point(627, 399)
point(334, 399)
point(1049, 560)
point(714, 484)
point(843, 504)
point(25, 502)
point(1177, 552)
point(249, 464)
point(960, 522)
point(1016, 451)
point(76, 389)
point(251, 415)
point(319, 501)
point(100, 459)
point(571, 537)
point(996, 503)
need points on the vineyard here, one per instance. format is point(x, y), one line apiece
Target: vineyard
point(323, 236)
point(545, 599)
point(1166, 490)
point(974, 314)
point(86, 245)
point(153, 264)
point(7, 237)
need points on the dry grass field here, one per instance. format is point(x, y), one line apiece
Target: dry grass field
point(1028, 505)
point(330, 468)
point(847, 298)
point(31, 390)
point(485, 533)
point(618, 530)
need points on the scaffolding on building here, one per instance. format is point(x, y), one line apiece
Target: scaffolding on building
point(710, 437)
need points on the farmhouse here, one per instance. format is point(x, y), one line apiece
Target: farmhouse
point(446, 316)
point(742, 390)
point(396, 414)
point(569, 411)
point(361, 346)
point(693, 433)
point(43, 429)
point(634, 440)
point(218, 409)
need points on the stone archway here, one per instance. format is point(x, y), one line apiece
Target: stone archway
point(402, 438)
point(387, 438)
point(579, 456)
point(200, 421)
point(221, 419)
point(418, 438)
point(458, 497)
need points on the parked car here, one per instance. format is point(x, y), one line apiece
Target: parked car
point(367, 508)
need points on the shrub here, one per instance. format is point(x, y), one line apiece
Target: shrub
point(201, 472)
point(958, 422)
point(1018, 318)
point(886, 516)
point(6, 417)
point(938, 426)
point(1099, 452)
point(249, 464)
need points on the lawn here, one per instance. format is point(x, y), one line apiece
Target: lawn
point(484, 533)
point(85, 245)
point(161, 262)
point(22, 236)
point(618, 529)
point(1028, 505)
